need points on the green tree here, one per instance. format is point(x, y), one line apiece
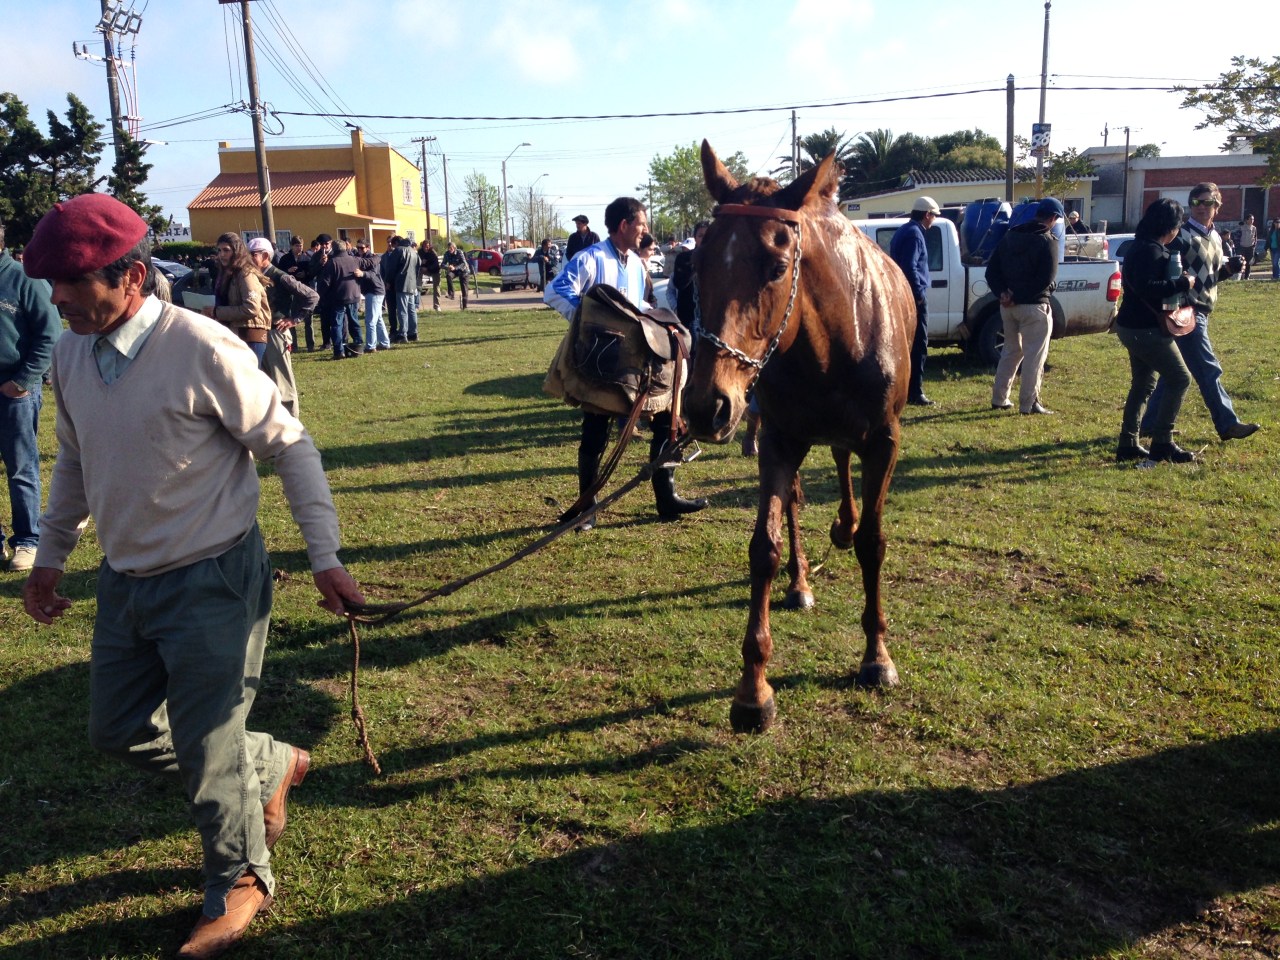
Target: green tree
point(1246, 103)
point(1148, 151)
point(866, 169)
point(128, 174)
point(814, 148)
point(479, 215)
point(1062, 171)
point(678, 196)
point(36, 171)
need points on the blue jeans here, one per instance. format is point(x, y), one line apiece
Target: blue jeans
point(19, 421)
point(1275, 264)
point(375, 330)
point(344, 314)
point(408, 315)
point(1206, 371)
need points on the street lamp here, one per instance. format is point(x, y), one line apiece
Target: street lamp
point(535, 180)
point(506, 221)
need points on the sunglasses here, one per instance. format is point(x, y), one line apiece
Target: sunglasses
point(1206, 203)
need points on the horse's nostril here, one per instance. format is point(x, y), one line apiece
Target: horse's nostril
point(723, 411)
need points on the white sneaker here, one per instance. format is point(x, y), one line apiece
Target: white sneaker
point(24, 558)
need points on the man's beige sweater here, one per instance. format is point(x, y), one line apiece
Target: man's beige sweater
point(163, 458)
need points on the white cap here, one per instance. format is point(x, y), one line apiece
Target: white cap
point(925, 205)
point(261, 245)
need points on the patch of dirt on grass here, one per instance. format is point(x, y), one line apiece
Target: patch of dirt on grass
point(1225, 929)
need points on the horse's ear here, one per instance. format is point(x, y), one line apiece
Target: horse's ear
point(720, 182)
point(820, 182)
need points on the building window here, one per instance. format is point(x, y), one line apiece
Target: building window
point(282, 239)
point(406, 187)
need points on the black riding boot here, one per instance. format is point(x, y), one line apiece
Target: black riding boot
point(670, 504)
point(595, 437)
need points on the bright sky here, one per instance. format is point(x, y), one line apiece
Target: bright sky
point(418, 58)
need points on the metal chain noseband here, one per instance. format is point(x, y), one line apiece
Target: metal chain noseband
point(702, 333)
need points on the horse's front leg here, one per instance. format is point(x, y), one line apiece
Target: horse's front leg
point(881, 455)
point(799, 594)
point(753, 707)
point(845, 525)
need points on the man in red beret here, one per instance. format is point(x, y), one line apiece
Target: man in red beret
point(184, 589)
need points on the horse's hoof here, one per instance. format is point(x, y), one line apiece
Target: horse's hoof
point(877, 676)
point(838, 541)
point(749, 719)
point(798, 600)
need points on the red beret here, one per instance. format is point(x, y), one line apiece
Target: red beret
point(81, 235)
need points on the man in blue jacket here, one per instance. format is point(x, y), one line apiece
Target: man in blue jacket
point(909, 251)
point(29, 325)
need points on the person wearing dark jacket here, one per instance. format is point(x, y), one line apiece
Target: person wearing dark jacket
point(401, 276)
point(455, 266)
point(583, 237)
point(909, 252)
point(296, 263)
point(429, 269)
point(339, 289)
point(1203, 256)
point(1021, 272)
point(319, 257)
point(1152, 277)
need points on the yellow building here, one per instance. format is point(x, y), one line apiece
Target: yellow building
point(363, 190)
point(953, 188)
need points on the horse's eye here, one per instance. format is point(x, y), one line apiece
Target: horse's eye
point(779, 271)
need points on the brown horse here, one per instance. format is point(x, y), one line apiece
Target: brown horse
point(794, 299)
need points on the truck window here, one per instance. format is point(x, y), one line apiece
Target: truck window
point(932, 244)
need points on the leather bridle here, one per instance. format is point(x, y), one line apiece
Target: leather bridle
point(791, 217)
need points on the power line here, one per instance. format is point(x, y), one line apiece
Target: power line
point(736, 110)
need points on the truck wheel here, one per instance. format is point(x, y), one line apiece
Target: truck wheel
point(990, 339)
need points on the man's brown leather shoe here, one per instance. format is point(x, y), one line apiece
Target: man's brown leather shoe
point(212, 937)
point(275, 814)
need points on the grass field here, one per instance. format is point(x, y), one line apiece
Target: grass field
point(1083, 759)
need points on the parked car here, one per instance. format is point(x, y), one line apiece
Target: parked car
point(485, 261)
point(172, 270)
point(1118, 245)
point(518, 270)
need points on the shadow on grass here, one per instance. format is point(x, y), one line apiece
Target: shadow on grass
point(1065, 868)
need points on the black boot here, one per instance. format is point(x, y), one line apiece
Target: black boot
point(671, 505)
point(588, 468)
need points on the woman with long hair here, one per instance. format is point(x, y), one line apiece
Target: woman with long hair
point(240, 298)
point(1150, 279)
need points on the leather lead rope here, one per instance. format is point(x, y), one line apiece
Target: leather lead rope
point(376, 613)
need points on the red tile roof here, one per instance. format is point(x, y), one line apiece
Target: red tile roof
point(311, 188)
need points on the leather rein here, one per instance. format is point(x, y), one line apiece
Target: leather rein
point(767, 213)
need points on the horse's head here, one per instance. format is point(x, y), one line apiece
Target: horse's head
point(748, 270)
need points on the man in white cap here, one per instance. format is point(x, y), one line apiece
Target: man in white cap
point(910, 252)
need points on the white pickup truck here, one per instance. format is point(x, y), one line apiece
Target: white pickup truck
point(962, 309)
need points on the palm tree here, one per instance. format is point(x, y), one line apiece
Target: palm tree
point(867, 164)
point(813, 150)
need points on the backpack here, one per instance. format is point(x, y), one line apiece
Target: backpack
point(612, 353)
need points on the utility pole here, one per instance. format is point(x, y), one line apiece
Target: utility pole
point(484, 237)
point(1044, 82)
point(1008, 139)
point(1124, 197)
point(255, 108)
point(795, 148)
point(444, 173)
point(113, 81)
point(426, 187)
